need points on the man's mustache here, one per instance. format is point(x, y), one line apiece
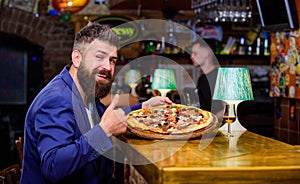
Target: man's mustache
point(105, 74)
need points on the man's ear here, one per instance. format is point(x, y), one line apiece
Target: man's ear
point(208, 53)
point(76, 58)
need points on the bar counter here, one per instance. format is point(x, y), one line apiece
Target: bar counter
point(246, 158)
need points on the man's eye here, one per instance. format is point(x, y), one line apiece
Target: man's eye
point(100, 57)
point(113, 60)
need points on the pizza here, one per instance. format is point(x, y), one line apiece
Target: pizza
point(169, 119)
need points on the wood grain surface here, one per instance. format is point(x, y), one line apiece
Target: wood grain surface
point(246, 158)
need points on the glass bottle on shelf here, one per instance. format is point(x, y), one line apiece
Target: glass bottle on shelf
point(242, 47)
point(150, 46)
point(252, 35)
point(163, 45)
point(249, 50)
point(266, 47)
point(234, 48)
point(172, 40)
point(264, 43)
point(258, 49)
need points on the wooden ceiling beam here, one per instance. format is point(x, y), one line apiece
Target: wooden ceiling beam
point(113, 3)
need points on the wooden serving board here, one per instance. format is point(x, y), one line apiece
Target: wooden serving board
point(214, 125)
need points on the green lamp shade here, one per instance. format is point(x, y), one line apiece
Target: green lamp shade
point(132, 76)
point(163, 79)
point(233, 84)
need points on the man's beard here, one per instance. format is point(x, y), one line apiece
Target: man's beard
point(101, 90)
point(90, 86)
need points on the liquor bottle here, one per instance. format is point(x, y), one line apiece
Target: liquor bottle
point(249, 50)
point(172, 42)
point(163, 45)
point(150, 46)
point(257, 50)
point(242, 48)
point(252, 35)
point(266, 47)
point(234, 48)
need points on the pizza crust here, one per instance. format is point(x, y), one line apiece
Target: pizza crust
point(134, 124)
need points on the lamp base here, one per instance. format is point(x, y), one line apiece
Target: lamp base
point(133, 91)
point(233, 140)
point(235, 126)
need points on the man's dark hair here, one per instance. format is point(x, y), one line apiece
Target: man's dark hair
point(92, 31)
point(211, 43)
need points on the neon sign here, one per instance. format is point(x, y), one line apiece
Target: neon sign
point(126, 29)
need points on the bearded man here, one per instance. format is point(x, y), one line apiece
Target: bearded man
point(67, 132)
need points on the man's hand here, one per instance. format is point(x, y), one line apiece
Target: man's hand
point(155, 101)
point(113, 122)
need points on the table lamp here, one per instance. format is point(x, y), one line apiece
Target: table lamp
point(233, 85)
point(163, 81)
point(132, 77)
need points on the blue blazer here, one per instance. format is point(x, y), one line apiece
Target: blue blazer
point(59, 144)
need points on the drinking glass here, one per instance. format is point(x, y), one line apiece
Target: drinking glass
point(229, 117)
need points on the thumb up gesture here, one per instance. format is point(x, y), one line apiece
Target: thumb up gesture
point(113, 121)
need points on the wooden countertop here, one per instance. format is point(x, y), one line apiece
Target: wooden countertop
point(247, 158)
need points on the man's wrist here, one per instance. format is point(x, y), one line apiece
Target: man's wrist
point(106, 131)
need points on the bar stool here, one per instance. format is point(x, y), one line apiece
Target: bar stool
point(11, 175)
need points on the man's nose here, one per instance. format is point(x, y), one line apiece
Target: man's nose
point(107, 64)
